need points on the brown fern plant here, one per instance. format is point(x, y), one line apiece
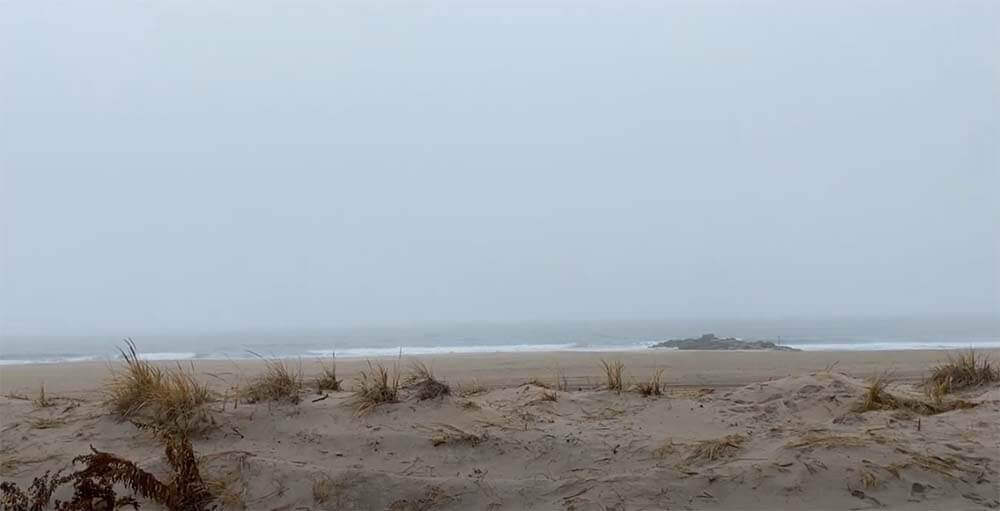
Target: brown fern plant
point(93, 486)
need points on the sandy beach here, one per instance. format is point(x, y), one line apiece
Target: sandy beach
point(793, 440)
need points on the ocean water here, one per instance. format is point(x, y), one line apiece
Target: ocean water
point(491, 337)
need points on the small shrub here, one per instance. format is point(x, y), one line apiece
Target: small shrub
point(277, 382)
point(964, 370)
point(613, 375)
point(375, 386)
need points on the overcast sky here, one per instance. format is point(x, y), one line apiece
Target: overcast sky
point(238, 164)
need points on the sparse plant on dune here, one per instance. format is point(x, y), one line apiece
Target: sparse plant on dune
point(877, 397)
point(170, 398)
point(421, 379)
point(373, 387)
point(94, 485)
point(471, 389)
point(653, 387)
point(614, 375)
point(42, 401)
point(278, 382)
point(327, 380)
point(964, 370)
point(711, 450)
point(561, 383)
point(537, 382)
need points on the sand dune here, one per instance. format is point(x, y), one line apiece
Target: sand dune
point(788, 443)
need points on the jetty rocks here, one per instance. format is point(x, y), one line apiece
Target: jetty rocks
point(711, 342)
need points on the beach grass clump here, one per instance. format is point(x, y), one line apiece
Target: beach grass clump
point(964, 370)
point(453, 435)
point(42, 400)
point(614, 375)
point(328, 380)
point(711, 450)
point(877, 397)
point(278, 382)
point(421, 379)
point(653, 387)
point(373, 387)
point(169, 398)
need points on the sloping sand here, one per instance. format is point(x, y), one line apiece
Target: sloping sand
point(794, 442)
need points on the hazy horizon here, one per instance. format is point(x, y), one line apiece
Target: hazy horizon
point(261, 167)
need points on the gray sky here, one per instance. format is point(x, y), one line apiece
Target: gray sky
point(178, 165)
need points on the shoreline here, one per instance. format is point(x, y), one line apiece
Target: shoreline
point(682, 367)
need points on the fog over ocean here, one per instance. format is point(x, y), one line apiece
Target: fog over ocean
point(488, 337)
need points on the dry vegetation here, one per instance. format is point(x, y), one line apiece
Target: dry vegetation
point(169, 398)
point(654, 386)
point(327, 380)
point(965, 370)
point(277, 382)
point(421, 379)
point(711, 450)
point(373, 387)
point(94, 485)
point(877, 397)
point(42, 401)
point(614, 375)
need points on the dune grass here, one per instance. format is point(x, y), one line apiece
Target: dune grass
point(278, 382)
point(373, 387)
point(960, 371)
point(42, 401)
point(711, 450)
point(327, 380)
point(614, 375)
point(471, 389)
point(170, 398)
point(653, 387)
point(421, 379)
point(877, 397)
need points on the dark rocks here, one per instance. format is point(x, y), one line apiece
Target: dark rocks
point(711, 342)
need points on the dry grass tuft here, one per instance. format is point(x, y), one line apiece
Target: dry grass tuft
point(323, 489)
point(421, 379)
point(170, 399)
point(328, 381)
point(375, 386)
point(869, 480)
point(471, 389)
point(613, 375)
point(452, 435)
point(278, 382)
point(964, 370)
point(877, 397)
point(42, 401)
point(711, 450)
point(561, 382)
point(46, 423)
point(826, 441)
point(537, 382)
point(654, 387)
point(666, 449)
